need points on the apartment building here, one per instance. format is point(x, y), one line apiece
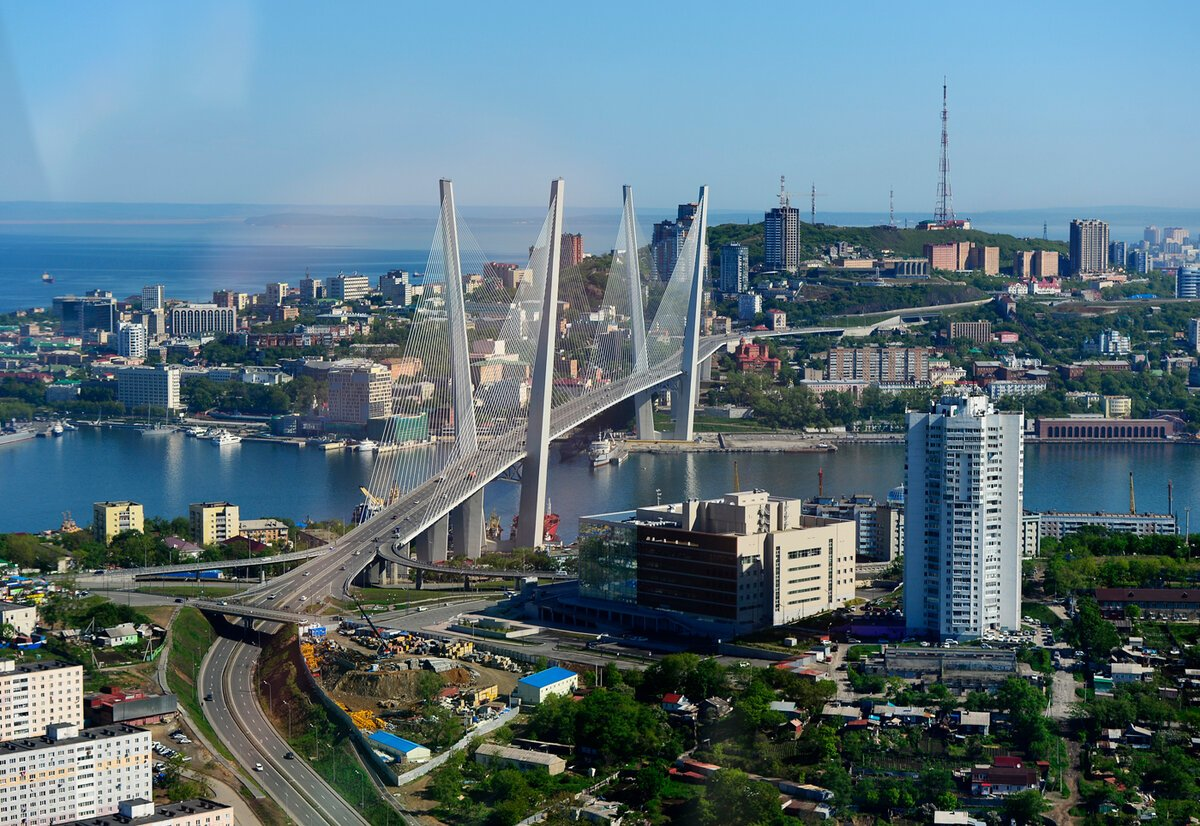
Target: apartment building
point(112, 518)
point(187, 320)
point(34, 695)
point(878, 364)
point(214, 522)
point(149, 386)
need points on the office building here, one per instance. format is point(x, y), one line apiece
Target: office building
point(155, 322)
point(311, 290)
point(1152, 235)
point(666, 242)
point(1193, 334)
point(1175, 235)
point(735, 268)
point(71, 774)
point(37, 694)
point(749, 306)
point(194, 812)
point(154, 297)
point(149, 387)
point(889, 364)
point(344, 287)
point(878, 528)
point(979, 332)
point(277, 293)
point(1057, 524)
point(1118, 407)
point(963, 508)
point(112, 518)
point(396, 287)
point(359, 390)
point(131, 340)
point(1187, 282)
point(571, 249)
point(79, 313)
point(187, 320)
point(714, 567)
point(781, 238)
point(1089, 246)
point(214, 522)
point(226, 299)
point(1118, 257)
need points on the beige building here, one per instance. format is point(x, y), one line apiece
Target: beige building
point(984, 259)
point(112, 518)
point(508, 757)
point(22, 618)
point(266, 531)
point(72, 773)
point(1118, 407)
point(34, 695)
point(359, 390)
point(213, 522)
point(979, 332)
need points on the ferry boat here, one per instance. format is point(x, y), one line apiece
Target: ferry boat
point(56, 429)
point(224, 437)
point(365, 446)
point(607, 451)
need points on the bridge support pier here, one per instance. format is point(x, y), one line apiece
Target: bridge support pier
point(537, 436)
point(643, 411)
point(466, 523)
point(689, 379)
point(418, 579)
point(432, 545)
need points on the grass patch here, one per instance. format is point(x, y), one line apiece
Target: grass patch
point(191, 636)
point(312, 733)
point(410, 596)
point(856, 652)
point(1042, 613)
point(207, 590)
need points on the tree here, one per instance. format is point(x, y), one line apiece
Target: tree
point(1024, 807)
point(1091, 633)
point(733, 798)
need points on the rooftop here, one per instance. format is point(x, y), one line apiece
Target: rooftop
point(496, 750)
point(166, 812)
point(548, 677)
point(390, 740)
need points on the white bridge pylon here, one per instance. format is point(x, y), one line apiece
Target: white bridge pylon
point(496, 356)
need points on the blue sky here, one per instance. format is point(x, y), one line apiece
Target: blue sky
point(1052, 104)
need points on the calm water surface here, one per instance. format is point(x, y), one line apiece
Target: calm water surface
point(41, 478)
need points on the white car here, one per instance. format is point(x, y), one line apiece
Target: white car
point(258, 767)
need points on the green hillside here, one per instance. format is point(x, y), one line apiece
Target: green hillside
point(909, 243)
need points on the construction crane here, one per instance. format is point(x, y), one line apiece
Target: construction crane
point(812, 207)
point(383, 648)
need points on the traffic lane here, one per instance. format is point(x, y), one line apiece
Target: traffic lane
point(274, 747)
point(247, 753)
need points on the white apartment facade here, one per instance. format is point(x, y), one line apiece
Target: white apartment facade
point(35, 695)
point(196, 319)
point(963, 515)
point(154, 385)
point(73, 773)
point(131, 340)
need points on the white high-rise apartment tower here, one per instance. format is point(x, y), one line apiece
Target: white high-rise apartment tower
point(963, 506)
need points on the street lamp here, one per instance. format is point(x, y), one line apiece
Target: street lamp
point(270, 701)
point(313, 726)
point(289, 722)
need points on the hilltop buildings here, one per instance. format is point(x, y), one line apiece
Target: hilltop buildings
point(963, 509)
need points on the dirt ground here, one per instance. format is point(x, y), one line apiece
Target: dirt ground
point(362, 690)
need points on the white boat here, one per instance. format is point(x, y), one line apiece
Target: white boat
point(57, 429)
point(157, 429)
point(68, 426)
point(365, 446)
point(224, 437)
point(607, 451)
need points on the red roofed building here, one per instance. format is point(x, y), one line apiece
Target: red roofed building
point(754, 357)
point(998, 780)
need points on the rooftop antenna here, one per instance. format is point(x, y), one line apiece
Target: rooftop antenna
point(737, 483)
point(784, 201)
point(944, 211)
point(891, 207)
point(1132, 505)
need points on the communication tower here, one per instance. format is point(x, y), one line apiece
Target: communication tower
point(944, 210)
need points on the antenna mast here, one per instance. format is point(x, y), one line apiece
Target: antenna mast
point(783, 196)
point(891, 207)
point(944, 210)
point(812, 213)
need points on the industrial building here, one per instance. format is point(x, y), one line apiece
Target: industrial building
point(537, 687)
point(1058, 524)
